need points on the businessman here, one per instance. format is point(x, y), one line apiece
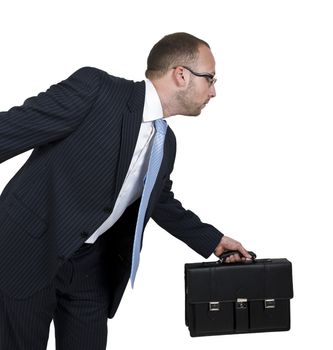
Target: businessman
point(72, 218)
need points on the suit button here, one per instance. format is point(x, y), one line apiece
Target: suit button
point(108, 210)
point(84, 234)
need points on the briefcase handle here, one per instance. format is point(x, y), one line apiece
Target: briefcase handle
point(228, 253)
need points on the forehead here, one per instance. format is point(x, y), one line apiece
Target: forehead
point(206, 61)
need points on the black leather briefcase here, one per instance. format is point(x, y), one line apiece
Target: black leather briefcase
point(246, 297)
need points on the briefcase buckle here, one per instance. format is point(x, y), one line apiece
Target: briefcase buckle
point(241, 303)
point(269, 303)
point(214, 306)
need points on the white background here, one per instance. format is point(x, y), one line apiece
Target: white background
point(257, 163)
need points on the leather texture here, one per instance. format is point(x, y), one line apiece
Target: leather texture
point(222, 298)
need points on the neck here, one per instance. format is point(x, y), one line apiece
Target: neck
point(167, 98)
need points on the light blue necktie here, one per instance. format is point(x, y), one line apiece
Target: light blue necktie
point(150, 178)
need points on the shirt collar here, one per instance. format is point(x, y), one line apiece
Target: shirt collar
point(152, 109)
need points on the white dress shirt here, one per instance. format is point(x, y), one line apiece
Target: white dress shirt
point(133, 184)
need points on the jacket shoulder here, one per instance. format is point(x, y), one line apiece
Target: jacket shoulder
point(132, 92)
point(87, 73)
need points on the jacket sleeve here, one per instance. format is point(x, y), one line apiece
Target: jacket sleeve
point(50, 115)
point(184, 224)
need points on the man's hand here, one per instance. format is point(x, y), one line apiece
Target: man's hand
point(228, 243)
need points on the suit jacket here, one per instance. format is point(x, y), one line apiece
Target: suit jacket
point(83, 131)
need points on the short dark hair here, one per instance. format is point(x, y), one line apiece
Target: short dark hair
point(173, 50)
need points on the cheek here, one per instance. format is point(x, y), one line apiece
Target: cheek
point(203, 90)
point(198, 93)
point(204, 95)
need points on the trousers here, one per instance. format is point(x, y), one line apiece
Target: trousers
point(77, 301)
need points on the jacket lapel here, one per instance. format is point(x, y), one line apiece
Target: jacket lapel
point(131, 123)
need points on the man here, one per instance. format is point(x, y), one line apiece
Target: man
point(69, 217)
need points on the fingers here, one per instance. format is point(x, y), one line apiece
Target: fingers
point(243, 256)
point(233, 258)
point(244, 252)
point(236, 258)
point(228, 243)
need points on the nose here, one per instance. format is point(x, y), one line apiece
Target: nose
point(212, 91)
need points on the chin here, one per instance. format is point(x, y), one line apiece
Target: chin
point(192, 114)
point(195, 113)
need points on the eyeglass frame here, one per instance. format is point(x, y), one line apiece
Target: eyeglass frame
point(210, 77)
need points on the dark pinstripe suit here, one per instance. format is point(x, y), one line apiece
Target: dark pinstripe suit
point(83, 131)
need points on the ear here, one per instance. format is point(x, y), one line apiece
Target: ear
point(181, 77)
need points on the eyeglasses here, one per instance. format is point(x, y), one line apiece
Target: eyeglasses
point(210, 77)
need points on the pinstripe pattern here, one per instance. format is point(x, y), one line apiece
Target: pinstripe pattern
point(77, 300)
point(83, 132)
